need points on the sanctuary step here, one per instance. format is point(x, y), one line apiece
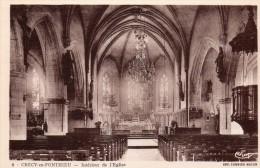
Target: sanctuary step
point(150, 143)
point(142, 136)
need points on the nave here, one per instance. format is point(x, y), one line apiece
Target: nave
point(133, 82)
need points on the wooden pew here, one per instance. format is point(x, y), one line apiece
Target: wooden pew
point(205, 147)
point(73, 146)
point(56, 155)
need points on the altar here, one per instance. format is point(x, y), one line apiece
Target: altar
point(136, 125)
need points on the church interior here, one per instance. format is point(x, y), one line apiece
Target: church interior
point(133, 82)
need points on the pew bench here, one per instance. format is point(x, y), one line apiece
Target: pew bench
point(56, 155)
point(96, 147)
point(206, 147)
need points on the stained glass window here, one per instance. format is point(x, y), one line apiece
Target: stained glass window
point(164, 89)
point(107, 89)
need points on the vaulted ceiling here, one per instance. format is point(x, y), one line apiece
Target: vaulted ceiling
point(168, 28)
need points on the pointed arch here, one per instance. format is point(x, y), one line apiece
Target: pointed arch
point(201, 54)
point(51, 55)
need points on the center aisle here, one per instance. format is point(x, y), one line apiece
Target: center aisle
point(142, 155)
point(142, 150)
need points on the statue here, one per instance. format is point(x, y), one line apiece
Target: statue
point(152, 117)
point(157, 125)
point(67, 68)
point(97, 124)
point(181, 93)
point(220, 69)
point(174, 124)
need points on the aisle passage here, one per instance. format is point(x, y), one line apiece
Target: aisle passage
point(142, 155)
point(142, 142)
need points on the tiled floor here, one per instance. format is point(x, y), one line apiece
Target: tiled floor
point(142, 155)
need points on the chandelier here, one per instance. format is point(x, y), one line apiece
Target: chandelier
point(140, 70)
point(165, 104)
point(111, 101)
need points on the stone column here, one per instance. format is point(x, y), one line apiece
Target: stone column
point(225, 113)
point(66, 117)
point(18, 125)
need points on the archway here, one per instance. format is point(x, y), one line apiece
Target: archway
point(55, 115)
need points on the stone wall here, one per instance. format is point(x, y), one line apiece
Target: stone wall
point(17, 85)
point(206, 37)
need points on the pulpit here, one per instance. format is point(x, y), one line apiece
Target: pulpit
point(245, 108)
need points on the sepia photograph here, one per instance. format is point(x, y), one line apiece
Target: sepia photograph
point(132, 82)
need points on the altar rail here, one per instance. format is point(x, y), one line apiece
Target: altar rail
point(150, 132)
point(120, 132)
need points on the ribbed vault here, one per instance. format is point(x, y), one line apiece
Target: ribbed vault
point(113, 35)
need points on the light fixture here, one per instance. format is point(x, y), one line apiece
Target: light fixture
point(165, 104)
point(140, 70)
point(46, 104)
point(111, 101)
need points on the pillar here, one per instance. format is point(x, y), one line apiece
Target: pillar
point(224, 115)
point(18, 126)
